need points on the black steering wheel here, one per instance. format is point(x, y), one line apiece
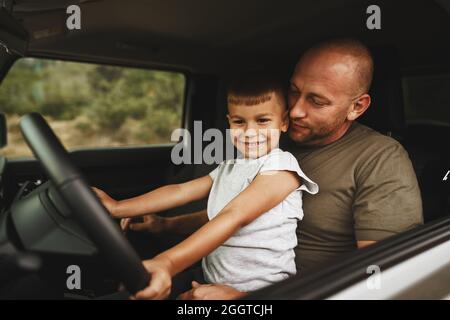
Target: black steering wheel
point(84, 204)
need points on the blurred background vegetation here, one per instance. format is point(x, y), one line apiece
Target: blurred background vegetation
point(92, 105)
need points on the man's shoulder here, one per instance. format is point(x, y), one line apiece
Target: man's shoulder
point(373, 141)
point(372, 149)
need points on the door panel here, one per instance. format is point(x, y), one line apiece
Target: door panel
point(121, 172)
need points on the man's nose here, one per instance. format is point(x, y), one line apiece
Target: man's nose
point(298, 110)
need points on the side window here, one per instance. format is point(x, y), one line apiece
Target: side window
point(427, 99)
point(92, 105)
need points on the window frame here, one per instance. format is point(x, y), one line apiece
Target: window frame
point(184, 121)
point(418, 73)
point(332, 278)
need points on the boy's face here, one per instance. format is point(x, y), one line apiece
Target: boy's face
point(255, 130)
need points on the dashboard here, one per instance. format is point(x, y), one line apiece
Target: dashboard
point(44, 224)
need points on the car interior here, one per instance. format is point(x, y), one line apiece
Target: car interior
point(207, 41)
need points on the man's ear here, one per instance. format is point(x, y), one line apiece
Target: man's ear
point(359, 107)
point(285, 124)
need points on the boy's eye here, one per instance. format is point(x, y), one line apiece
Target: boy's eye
point(237, 121)
point(263, 120)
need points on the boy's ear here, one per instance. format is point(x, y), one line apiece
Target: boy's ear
point(285, 124)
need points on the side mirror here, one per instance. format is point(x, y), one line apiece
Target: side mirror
point(3, 130)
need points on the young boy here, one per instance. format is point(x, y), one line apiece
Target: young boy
point(253, 206)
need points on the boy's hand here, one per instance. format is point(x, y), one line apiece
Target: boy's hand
point(160, 282)
point(107, 201)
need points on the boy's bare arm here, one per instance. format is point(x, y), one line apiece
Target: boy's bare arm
point(163, 198)
point(264, 193)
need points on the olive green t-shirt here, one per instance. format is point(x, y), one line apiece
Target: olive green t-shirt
point(367, 191)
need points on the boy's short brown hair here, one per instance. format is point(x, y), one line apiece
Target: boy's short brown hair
point(256, 88)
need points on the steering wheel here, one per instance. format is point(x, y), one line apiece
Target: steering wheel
point(85, 206)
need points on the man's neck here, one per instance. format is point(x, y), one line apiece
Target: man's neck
point(337, 135)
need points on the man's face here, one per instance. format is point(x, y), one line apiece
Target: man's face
point(320, 97)
point(255, 130)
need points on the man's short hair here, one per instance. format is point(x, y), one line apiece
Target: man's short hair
point(355, 49)
point(256, 88)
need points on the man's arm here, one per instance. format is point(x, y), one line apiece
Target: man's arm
point(182, 225)
point(188, 223)
point(211, 292)
point(387, 199)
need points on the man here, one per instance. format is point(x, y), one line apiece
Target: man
point(368, 188)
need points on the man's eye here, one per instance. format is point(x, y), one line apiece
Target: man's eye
point(318, 103)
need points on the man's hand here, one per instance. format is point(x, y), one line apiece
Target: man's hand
point(151, 223)
point(160, 281)
point(107, 201)
point(210, 292)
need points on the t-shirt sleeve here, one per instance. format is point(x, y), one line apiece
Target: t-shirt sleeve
point(213, 174)
point(285, 161)
point(387, 199)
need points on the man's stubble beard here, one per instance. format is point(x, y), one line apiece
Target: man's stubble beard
point(317, 135)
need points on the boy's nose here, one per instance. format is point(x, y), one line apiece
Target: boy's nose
point(250, 132)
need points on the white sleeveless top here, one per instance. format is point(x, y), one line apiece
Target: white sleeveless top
point(262, 252)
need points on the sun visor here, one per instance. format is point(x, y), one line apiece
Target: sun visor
point(13, 37)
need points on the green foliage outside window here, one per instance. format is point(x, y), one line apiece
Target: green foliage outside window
point(92, 105)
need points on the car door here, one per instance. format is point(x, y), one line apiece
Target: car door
point(119, 136)
point(112, 140)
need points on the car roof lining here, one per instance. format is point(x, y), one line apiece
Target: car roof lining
point(219, 36)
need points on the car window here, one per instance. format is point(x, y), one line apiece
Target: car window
point(427, 99)
point(91, 105)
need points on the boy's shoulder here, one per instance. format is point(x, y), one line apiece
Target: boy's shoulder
point(280, 155)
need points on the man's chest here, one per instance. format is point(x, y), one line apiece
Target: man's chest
point(330, 211)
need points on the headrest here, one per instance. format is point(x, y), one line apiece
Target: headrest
point(385, 113)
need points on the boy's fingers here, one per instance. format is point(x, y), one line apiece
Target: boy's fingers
point(195, 284)
point(147, 293)
point(96, 190)
point(156, 290)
